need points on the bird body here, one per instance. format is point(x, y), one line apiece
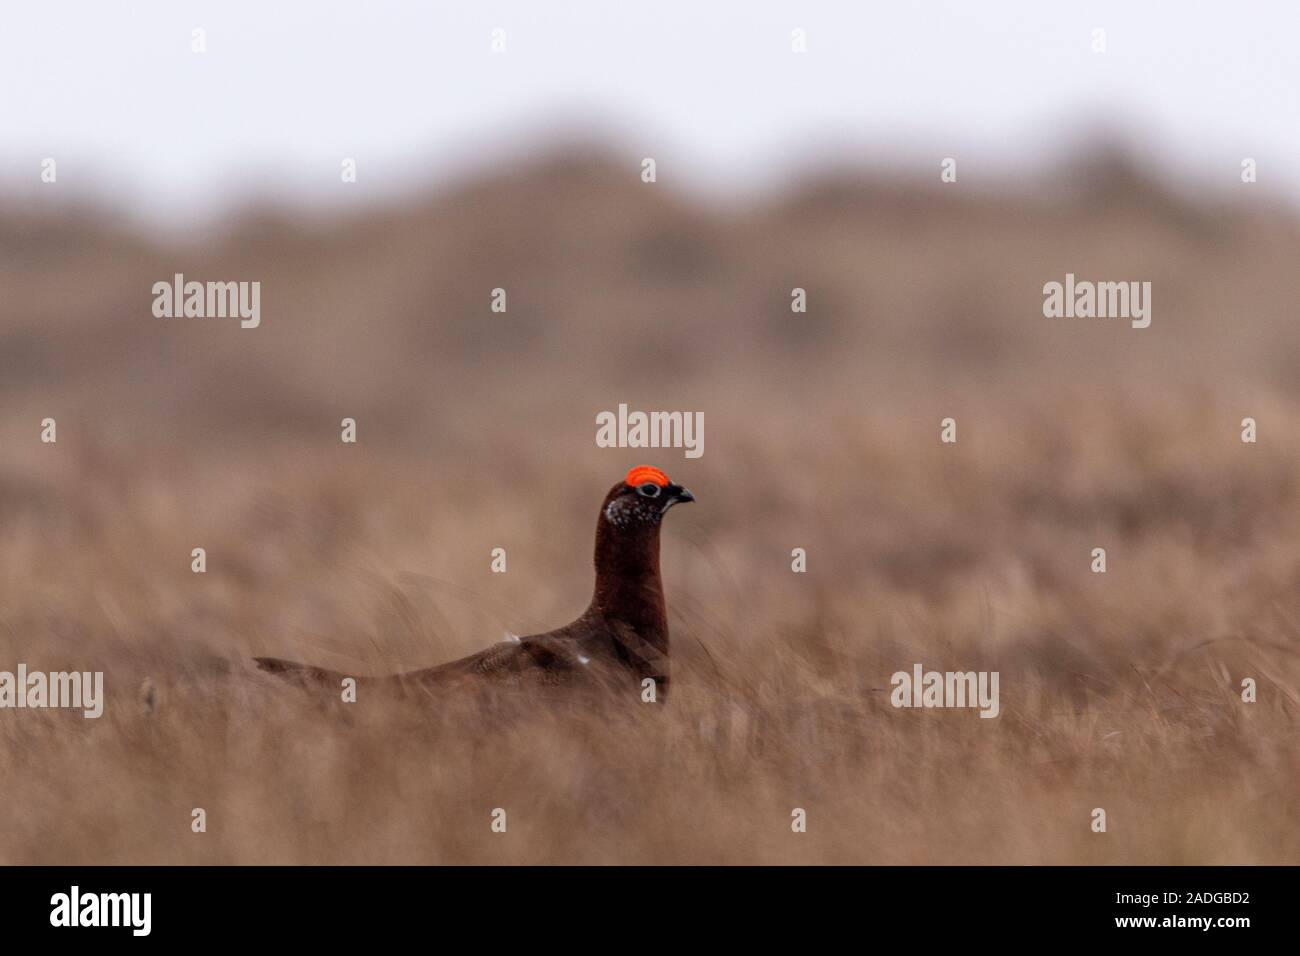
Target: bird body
point(619, 641)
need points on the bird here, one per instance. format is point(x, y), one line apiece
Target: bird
point(620, 642)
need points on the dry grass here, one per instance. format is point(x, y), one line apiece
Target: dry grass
point(1118, 690)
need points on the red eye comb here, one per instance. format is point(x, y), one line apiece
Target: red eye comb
point(643, 473)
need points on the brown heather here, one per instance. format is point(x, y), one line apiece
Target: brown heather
point(477, 431)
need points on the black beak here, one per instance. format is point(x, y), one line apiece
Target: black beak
point(675, 494)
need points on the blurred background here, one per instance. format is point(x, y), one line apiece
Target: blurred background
point(775, 170)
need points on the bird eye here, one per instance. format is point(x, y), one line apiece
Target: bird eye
point(648, 490)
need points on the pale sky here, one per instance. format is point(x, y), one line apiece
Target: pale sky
point(411, 89)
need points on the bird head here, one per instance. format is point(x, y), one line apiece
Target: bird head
point(642, 498)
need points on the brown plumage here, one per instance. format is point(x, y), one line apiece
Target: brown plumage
point(618, 642)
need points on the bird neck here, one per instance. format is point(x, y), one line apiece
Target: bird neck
point(628, 586)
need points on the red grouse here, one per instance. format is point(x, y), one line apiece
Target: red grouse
point(618, 642)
